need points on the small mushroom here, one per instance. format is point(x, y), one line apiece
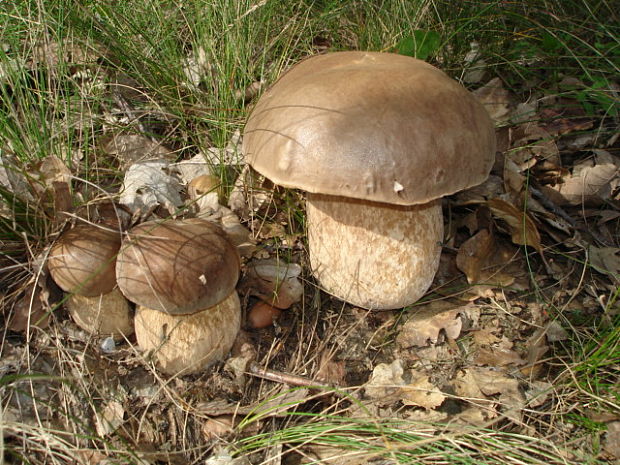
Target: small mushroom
point(83, 263)
point(182, 274)
point(376, 139)
point(262, 315)
point(83, 260)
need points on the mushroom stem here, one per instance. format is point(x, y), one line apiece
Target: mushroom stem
point(373, 255)
point(184, 344)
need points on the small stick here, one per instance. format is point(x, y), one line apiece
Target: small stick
point(285, 378)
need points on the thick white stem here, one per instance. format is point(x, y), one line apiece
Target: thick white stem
point(374, 255)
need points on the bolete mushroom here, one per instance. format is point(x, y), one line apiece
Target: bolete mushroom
point(82, 262)
point(182, 274)
point(376, 139)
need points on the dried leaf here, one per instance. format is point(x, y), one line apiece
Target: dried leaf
point(250, 192)
point(422, 393)
point(523, 230)
point(497, 357)
point(474, 381)
point(538, 393)
point(110, 418)
point(605, 259)
point(532, 144)
point(483, 259)
point(555, 332)
point(427, 321)
point(218, 427)
point(134, 148)
point(536, 348)
point(611, 442)
point(192, 168)
point(493, 186)
point(149, 184)
point(12, 178)
point(384, 385)
point(495, 99)
point(592, 181)
point(34, 307)
point(474, 255)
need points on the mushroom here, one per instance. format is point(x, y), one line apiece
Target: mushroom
point(376, 139)
point(82, 262)
point(182, 274)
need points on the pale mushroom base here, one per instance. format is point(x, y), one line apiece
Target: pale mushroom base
point(105, 314)
point(373, 255)
point(184, 344)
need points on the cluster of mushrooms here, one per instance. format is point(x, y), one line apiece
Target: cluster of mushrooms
point(376, 139)
point(181, 274)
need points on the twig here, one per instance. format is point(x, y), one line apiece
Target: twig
point(285, 378)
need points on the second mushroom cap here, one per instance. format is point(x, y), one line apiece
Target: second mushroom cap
point(177, 266)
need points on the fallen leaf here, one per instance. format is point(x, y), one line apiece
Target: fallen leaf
point(493, 186)
point(476, 381)
point(592, 181)
point(538, 393)
point(38, 301)
point(605, 260)
point(427, 321)
point(536, 348)
point(149, 184)
point(12, 178)
point(531, 144)
point(192, 168)
point(218, 427)
point(497, 357)
point(611, 441)
point(485, 260)
point(134, 148)
point(386, 386)
point(250, 192)
point(555, 332)
point(422, 393)
point(110, 418)
point(523, 230)
point(495, 98)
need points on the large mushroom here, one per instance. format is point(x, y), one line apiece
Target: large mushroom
point(82, 262)
point(376, 139)
point(182, 274)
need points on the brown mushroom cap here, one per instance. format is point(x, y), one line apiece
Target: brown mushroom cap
point(369, 125)
point(177, 266)
point(83, 260)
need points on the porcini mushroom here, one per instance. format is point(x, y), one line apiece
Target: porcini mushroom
point(376, 139)
point(182, 274)
point(83, 262)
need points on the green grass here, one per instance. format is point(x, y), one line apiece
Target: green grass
point(183, 67)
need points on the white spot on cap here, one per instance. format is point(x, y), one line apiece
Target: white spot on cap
point(398, 186)
point(203, 279)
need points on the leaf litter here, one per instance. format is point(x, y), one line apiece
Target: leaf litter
point(478, 354)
